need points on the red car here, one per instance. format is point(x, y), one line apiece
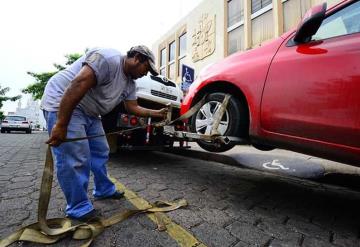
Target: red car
point(299, 92)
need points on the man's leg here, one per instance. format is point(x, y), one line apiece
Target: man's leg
point(99, 150)
point(72, 161)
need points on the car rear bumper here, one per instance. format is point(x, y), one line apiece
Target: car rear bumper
point(14, 128)
point(159, 100)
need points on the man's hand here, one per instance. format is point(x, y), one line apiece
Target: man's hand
point(58, 135)
point(160, 113)
point(133, 107)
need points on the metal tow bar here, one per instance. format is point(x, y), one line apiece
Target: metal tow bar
point(214, 137)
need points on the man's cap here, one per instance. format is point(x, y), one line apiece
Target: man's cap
point(142, 49)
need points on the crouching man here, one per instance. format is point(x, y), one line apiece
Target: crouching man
point(73, 100)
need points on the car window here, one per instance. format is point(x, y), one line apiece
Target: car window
point(346, 21)
point(15, 118)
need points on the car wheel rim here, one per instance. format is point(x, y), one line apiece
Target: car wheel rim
point(205, 118)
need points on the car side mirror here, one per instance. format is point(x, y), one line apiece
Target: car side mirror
point(309, 25)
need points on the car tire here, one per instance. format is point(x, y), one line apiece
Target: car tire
point(2, 131)
point(236, 117)
point(28, 132)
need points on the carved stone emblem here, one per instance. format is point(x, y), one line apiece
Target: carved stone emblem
point(203, 38)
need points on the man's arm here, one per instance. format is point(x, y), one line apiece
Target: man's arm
point(133, 107)
point(85, 80)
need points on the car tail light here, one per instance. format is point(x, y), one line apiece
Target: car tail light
point(141, 121)
point(25, 122)
point(133, 121)
point(125, 119)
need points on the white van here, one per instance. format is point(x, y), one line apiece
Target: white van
point(159, 89)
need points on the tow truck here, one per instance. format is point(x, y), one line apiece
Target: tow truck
point(140, 133)
point(154, 92)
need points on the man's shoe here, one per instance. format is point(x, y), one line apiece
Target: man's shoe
point(93, 215)
point(117, 195)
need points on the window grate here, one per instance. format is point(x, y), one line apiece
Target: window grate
point(163, 95)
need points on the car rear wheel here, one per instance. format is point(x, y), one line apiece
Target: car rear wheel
point(2, 131)
point(233, 123)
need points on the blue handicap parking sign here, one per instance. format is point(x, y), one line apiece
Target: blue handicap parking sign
point(187, 76)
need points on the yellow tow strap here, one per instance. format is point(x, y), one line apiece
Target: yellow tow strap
point(48, 231)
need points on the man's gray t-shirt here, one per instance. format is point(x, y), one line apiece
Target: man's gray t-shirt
point(111, 88)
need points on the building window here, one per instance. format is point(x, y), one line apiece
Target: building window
point(162, 57)
point(182, 45)
point(171, 59)
point(182, 52)
point(235, 12)
point(257, 5)
point(172, 51)
point(172, 71)
point(235, 40)
point(235, 23)
point(163, 62)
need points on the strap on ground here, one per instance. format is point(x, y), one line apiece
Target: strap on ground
point(48, 231)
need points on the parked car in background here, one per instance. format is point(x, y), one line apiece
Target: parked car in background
point(16, 123)
point(299, 92)
point(154, 92)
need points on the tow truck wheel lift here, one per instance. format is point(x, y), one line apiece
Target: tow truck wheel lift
point(182, 136)
point(214, 137)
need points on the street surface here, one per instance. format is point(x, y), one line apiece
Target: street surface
point(229, 205)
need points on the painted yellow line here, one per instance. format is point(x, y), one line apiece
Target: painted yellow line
point(175, 231)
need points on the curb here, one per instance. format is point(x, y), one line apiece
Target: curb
point(343, 176)
point(203, 155)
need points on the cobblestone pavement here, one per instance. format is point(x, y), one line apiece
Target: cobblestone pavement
point(228, 206)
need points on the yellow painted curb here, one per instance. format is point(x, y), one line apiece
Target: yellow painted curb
point(176, 232)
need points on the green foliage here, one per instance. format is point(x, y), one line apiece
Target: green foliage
point(71, 58)
point(37, 88)
point(4, 98)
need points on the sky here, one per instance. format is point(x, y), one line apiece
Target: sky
point(34, 34)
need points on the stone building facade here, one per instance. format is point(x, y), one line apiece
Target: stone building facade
point(218, 28)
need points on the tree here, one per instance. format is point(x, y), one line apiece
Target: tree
point(4, 98)
point(37, 88)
